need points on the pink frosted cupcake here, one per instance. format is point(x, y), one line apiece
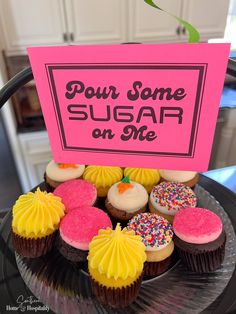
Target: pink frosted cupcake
point(76, 193)
point(78, 228)
point(200, 239)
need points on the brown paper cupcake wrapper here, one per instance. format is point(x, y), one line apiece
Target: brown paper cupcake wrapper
point(121, 215)
point(51, 185)
point(49, 188)
point(204, 262)
point(71, 253)
point(33, 248)
point(116, 297)
point(191, 183)
point(157, 268)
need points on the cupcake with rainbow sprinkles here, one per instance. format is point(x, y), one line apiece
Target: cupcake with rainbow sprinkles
point(168, 198)
point(157, 236)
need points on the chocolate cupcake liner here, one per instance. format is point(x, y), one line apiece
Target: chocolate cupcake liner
point(69, 252)
point(121, 215)
point(116, 297)
point(100, 203)
point(33, 248)
point(203, 262)
point(157, 268)
point(191, 183)
point(49, 188)
point(95, 203)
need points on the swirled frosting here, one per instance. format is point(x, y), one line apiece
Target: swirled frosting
point(147, 177)
point(116, 257)
point(36, 215)
point(103, 177)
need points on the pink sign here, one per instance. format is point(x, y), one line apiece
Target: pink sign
point(151, 106)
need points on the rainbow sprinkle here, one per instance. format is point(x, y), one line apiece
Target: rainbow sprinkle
point(173, 195)
point(155, 230)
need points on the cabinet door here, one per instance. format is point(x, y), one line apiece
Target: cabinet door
point(32, 22)
point(36, 154)
point(208, 16)
point(148, 24)
point(97, 21)
point(36, 166)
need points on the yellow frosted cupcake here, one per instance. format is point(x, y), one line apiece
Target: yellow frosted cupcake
point(36, 217)
point(147, 177)
point(115, 261)
point(103, 177)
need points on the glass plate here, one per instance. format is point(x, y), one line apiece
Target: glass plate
point(65, 287)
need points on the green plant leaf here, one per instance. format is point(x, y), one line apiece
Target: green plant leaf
point(194, 36)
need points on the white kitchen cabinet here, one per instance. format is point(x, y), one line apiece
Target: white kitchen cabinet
point(54, 22)
point(147, 24)
point(25, 23)
point(97, 21)
point(208, 16)
point(36, 154)
point(28, 23)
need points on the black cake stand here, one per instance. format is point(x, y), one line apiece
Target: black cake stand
point(13, 290)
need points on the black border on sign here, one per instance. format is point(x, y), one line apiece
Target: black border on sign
point(200, 67)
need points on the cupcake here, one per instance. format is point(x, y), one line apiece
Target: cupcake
point(78, 228)
point(36, 218)
point(147, 177)
point(167, 198)
point(200, 239)
point(189, 178)
point(76, 193)
point(103, 177)
point(56, 173)
point(157, 234)
point(125, 199)
point(115, 261)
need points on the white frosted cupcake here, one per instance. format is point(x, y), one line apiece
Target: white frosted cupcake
point(189, 178)
point(57, 173)
point(125, 199)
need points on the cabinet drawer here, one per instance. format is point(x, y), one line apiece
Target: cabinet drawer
point(34, 143)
